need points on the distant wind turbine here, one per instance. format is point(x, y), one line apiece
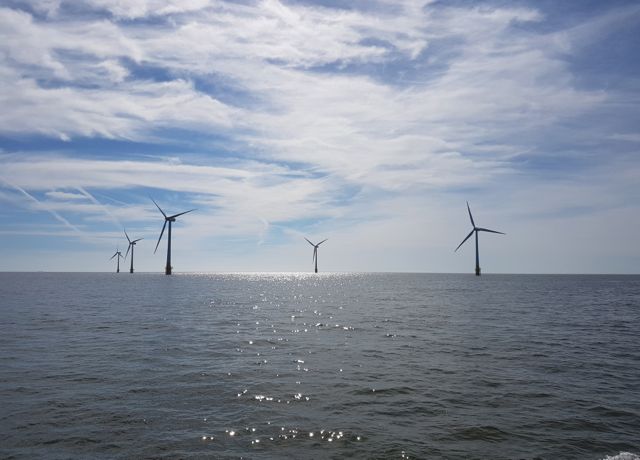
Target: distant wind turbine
point(315, 251)
point(131, 245)
point(170, 219)
point(476, 230)
point(119, 254)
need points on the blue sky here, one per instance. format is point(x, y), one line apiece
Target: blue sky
point(370, 123)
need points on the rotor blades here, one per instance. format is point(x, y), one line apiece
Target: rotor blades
point(161, 233)
point(468, 236)
point(490, 231)
point(127, 253)
point(135, 241)
point(315, 245)
point(470, 216)
point(176, 215)
point(125, 234)
point(154, 202)
point(114, 255)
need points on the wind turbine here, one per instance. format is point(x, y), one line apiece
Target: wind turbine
point(119, 254)
point(476, 230)
point(167, 268)
point(131, 245)
point(315, 251)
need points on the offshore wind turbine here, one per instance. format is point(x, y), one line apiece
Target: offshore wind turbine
point(170, 219)
point(131, 245)
point(315, 251)
point(119, 254)
point(476, 230)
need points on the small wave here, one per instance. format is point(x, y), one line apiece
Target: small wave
point(384, 391)
point(481, 433)
point(605, 411)
point(622, 456)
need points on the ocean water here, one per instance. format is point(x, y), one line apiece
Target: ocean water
point(319, 366)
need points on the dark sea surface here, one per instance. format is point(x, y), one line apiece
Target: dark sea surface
point(319, 366)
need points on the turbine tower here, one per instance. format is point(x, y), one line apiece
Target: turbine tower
point(119, 254)
point(315, 251)
point(170, 219)
point(476, 230)
point(131, 245)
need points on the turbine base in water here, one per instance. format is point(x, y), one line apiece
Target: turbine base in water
point(477, 271)
point(167, 270)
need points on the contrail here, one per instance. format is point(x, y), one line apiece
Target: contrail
point(91, 198)
point(43, 206)
point(263, 233)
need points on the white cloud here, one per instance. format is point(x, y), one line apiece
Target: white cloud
point(130, 112)
point(355, 126)
point(629, 137)
point(63, 196)
point(234, 200)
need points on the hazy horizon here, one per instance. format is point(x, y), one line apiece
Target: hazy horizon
point(311, 273)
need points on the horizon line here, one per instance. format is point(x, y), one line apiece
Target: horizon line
point(248, 272)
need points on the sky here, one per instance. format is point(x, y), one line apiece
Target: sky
point(370, 123)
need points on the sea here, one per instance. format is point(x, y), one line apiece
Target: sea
point(319, 366)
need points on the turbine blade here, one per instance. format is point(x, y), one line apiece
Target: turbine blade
point(322, 241)
point(309, 242)
point(125, 256)
point(470, 216)
point(468, 236)
point(490, 231)
point(135, 241)
point(120, 255)
point(125, 234)
point(161, 233)
point(113, 256)
point(154, 202)
point(176, 215)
